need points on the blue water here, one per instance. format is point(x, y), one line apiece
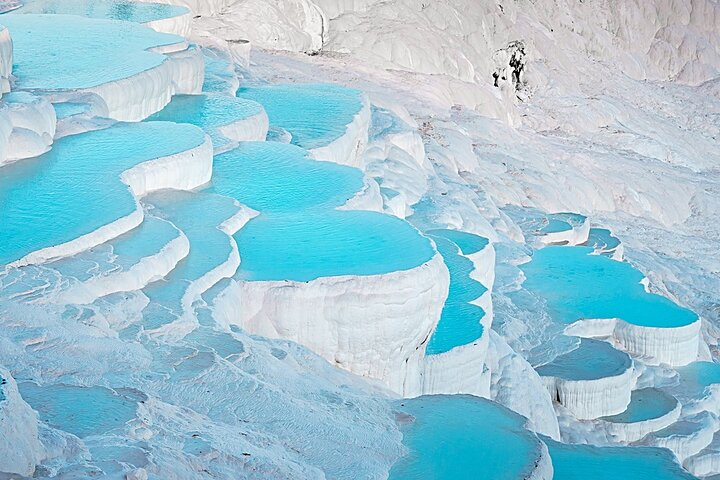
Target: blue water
point(315, 114)
point(219, 74)
point(45, 200)
point(68, 109)
point(125, 251)
point(208, 111)
point(574, 219)
point(591, 360)
point(82, 411)
point(555, 226)
point(303, 246)
point(276, 177)
point(601, 239)
point(587, 462)
point(463, 437)
point(459, 322)
point(695, 377)
point(645, 404)
point(107, 9)
point(577, 285)
point(55, 52)
point(198, 216)
point(469, 243)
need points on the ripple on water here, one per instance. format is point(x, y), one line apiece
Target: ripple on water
point(645, 404)
point(126, 10)
point(591, 360)
point(46, 50)
point(75, 188)
point(314, 114)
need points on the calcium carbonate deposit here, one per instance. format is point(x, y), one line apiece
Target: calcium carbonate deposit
point(360, 239)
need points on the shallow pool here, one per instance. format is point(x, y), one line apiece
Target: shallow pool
point(314, 114)
point(587, 462)
point(75, 188)
point(276, 177)
point(306, 245)
point(645, 404)
point(208, 111)
point(459, 322)
point(59, 52)
point(127, 10)
point(591, 360)
point(578, 285)
point(82, 411)
point(460, 436)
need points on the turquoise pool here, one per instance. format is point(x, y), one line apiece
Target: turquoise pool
point(645, 404)
point(306, 245)
point(276, 177)
point(459, 322)
point(46, 50)
point(578, 285)
point(127, 10)
point(45, 200)
point(468, 243)
point(591, 360)
point(207, 111)
point(460, 436)
point(315, 114)
point(587, 462)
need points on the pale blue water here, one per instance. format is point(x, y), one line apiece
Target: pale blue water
point(555, 226)
point(459, 322)
point(57, 52)
point(463, 437)
point(645, 404)
point(82, 411)
point(305, 245)
point(591, 360)
point(698, 375)
point(198, 216)
point(75, 188)
point(276, 177)
point(107, 9)
point(574, 219)
point(68, 109)
point(122, 253)
point(469, 243)
point(2, 389)
point(602, 239)
point(315, 114)
point(586, 462)
point(208, 111)
point(577, 285)
point(219, 74)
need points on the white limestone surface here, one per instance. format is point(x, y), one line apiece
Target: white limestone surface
point(19, 443)
point(348, 148)
point(654, 345)
point(375, 325)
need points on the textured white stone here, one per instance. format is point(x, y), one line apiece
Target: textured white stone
point(19, 443)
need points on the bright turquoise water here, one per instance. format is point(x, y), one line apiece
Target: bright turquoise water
point(107, 9)
point(54, 52)
point(577, 285)
point(587, 462)
point(315, 114)
point(68, 109)
point(208, 111)
point(198, 216)
point(75, 188)
point(276, 177)
point(82, 411)
point(463, 437)
point(125, 251)
point(591, 360)
point(459, 322)
point(645, 404)
point(469, 243)
point(219, 74)
point(303, 246)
